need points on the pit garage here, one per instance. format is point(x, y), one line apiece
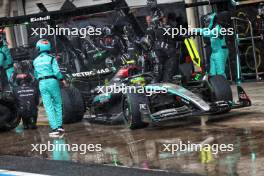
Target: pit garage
point(147, 91)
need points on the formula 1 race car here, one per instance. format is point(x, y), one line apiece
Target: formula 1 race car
point(180, 102)
point(138, 100)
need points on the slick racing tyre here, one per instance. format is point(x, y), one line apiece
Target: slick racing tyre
point(8, 117)
point(221, 89)
point(73, 105)
point(131, 110)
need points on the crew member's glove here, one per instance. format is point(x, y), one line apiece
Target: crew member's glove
point(64, 83)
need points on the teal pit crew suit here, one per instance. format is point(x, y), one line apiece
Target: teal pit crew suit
point(6, 61)
point(47, 71)
point(219, 49)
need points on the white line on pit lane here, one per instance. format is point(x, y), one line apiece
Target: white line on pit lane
point(15, 173)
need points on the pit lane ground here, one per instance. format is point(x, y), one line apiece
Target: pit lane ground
point(123, 149)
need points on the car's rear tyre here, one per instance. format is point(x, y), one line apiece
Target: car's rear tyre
point(72, 104)
point(131, 110)
point(186, 71)
point(8, 117)
point(221, 89)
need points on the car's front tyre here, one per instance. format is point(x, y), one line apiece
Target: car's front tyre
point(131, 110)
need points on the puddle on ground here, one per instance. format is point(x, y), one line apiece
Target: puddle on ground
point(146, 148)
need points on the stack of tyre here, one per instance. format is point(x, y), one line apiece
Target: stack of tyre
point(8, 115)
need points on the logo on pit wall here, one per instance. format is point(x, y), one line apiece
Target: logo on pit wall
point(92, 73)
point(36, 19)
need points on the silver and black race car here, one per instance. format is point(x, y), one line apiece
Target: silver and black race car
point(139, 101)
point(177, 102)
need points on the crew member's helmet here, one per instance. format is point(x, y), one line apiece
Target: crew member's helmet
point(157, 15)
point(43, 45)
point(261, 9)
point(146, 43)
point(152, 4)
point(107, 31)
point(209, 20)
point(128, 30)
point(22, 72)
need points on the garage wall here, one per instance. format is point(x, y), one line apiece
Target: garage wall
point(4, 7)
point(8, 8)
point(52, 5)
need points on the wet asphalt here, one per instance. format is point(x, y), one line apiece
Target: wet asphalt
point(143, 149)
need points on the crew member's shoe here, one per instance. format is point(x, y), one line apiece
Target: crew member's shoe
point(54, 133)
point(33, 127)
point(26, 127)
point(61, 129)
point(32, 124)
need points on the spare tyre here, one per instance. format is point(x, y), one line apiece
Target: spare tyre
point(221, 89)
point(8, 116)
point(73, 105)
